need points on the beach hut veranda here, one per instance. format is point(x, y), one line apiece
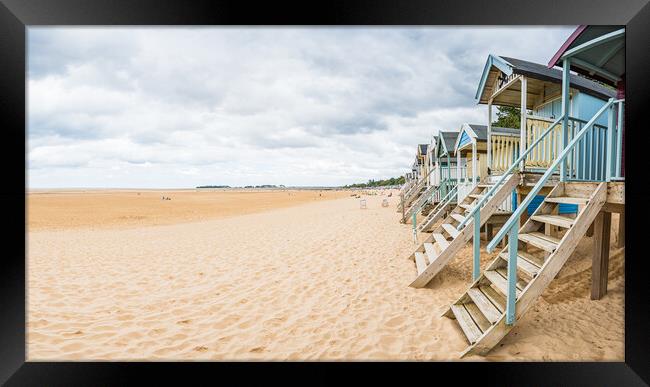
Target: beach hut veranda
point(536, 90)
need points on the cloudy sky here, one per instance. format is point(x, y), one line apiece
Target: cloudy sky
point(181, 107)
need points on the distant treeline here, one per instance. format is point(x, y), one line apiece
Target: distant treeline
point(248, 186)
point(378, 183)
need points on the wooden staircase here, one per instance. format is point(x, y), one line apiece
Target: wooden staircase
point(445, 241)
point(542, 251)
point(418, 202)
point(412, 194)
point(435, 215)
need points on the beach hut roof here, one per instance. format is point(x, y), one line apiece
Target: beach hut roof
point(479, 132)
point(534, 71)
point(604, 61)
point(447, 139)
point(422, 148)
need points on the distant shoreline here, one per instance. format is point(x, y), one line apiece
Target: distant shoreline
point(78, 190)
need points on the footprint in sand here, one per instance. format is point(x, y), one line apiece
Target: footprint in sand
point(395, 322)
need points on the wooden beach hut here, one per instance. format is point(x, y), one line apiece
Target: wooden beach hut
point(442, 179)
point(424, 191)
point(584, 170)
point(471, 145)
point(421, 159)
point(419, 185)
point(449, 170)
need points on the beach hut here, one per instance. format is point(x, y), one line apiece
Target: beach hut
point(471, 145)
point(425, 191)
point(449, 170)
point(420, 185)
point(421, 159)
point(430, 161)
point(582, 167)
point(450, 167)
point(536, 90)
point(598, 52)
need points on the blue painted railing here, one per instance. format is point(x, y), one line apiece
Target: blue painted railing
point(587, 161)
point(451, 195)
point(511, 227)
point(432, 197)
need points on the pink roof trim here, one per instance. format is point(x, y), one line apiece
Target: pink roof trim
point(566, 45)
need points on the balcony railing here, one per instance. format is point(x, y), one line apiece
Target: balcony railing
point(504, 151)
point(587, 161)
point(542, 156)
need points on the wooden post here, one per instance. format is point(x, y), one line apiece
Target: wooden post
point(566, 66)
point(550, 229)
point(600, 260)
point(489, 231)
point(522, 125)
point(474, 166)
point(489, 135)
point(437, 173)
point(513, 238)
point(620, 239)
point(458, 168)
point(524, 214)
point(476, 243)
point(609, 152)
point(590, 230)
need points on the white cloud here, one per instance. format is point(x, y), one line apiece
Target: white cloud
point(180, 107)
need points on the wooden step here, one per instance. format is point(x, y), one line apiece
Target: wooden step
point(532, 258)
point(481, 185)
point(420, 262)
point(497, 299)
point(499, 282)
point(469, 327)
point(488, 309)
point(475, 196)
point(567, 200)
point(556, 220)
point(458, 217)
point(478, 317)
point(451, 230)
point(431, 252)
point(466, 206)
point(523, 264)
point(540, 240)
point(521, 284)
point(441, 241)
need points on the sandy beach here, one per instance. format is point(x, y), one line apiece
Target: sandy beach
point(273, 276)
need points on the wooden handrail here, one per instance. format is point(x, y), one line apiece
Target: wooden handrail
point(535, 190)
point(501, 180)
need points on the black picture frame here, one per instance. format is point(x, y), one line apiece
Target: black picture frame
point(17, 15)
